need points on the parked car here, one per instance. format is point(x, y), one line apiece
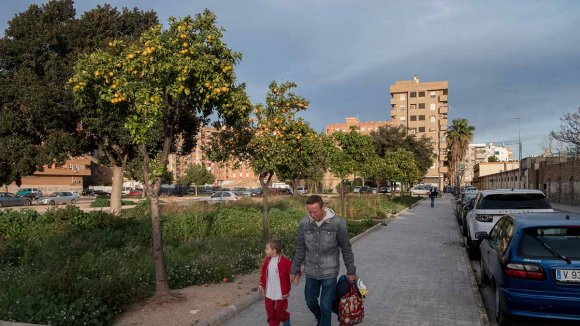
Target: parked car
point(126, 190)
point(420, 190)
point(532, 261)
point(383, 190)
point(365, 190)
point(490, 205)
point(469, 205)
point(256, 192)
point(10, 199)
point(221, 196)
point(135, 193)
point(280, 192)
point(302, 190)
point(61, 197)
point(356, 189)
point(33, 193)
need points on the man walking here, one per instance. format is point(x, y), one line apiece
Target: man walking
point(321, 237)
point(433, 194)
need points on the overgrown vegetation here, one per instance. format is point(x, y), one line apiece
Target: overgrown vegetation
point(103, 202)
point(69, 267)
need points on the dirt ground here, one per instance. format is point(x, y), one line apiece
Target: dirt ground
point(191, 304)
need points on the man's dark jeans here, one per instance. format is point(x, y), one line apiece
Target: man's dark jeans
point(325, 289)
point(432, 201)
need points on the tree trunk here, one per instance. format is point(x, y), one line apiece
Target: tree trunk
point(116, 190)
point(265, 193)
point(153, 188)
point(294, 186)
point(195, 190)
point(161, 284)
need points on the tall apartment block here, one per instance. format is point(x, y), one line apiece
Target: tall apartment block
point(422, 108)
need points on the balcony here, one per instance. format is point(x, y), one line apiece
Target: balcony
point(393, 102)
point(442, 98)
point(443, 123)
point(443, 109)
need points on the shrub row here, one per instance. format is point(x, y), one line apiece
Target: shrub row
point(69, 267)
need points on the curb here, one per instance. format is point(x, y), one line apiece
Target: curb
point(484, 320)
point(11, 323)
point(226, 314)
point(229, 312)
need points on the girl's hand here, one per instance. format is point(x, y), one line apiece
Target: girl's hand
point(260, 289)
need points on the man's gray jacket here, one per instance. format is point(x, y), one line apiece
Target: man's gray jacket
point(318, 247)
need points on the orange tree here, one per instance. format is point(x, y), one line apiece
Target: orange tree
point(270, 139)
point(165, 87)
point(350, 153)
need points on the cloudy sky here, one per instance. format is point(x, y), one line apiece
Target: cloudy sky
point(501, 58)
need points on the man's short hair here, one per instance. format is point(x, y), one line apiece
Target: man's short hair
point(275, 244)
point(315, 199)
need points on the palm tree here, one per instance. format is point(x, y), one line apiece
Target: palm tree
point(459, 135)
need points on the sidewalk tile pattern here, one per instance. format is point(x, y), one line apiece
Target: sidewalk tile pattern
point(414, 269)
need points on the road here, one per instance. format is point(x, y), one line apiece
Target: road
point(488, 297)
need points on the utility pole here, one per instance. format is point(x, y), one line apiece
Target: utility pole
point(520, 151)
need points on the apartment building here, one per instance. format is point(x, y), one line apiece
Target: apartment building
point(67, 177)
point(363, 127)
point(422, 108)
point(480, 153)
point(226, 175)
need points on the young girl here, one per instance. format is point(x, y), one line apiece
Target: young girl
point(275, 283)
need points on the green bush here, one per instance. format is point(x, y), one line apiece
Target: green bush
point(69, 267)
point(103, 202)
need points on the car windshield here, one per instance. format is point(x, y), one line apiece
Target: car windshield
point(54, 194)
point(515, 201)
point(563, 240)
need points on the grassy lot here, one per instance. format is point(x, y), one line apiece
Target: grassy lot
point(69, 267)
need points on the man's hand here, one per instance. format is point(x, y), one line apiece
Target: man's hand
point(260, 289)
point(351, 278)
point(294, 279)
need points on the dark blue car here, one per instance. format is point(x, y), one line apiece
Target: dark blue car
point(533, 263)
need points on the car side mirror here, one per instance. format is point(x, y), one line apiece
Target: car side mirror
point(481, 235)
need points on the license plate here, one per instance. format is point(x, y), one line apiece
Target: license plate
point(568, 275)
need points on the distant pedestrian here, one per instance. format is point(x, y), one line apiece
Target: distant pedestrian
point(321, 237)
point(275, 283)
point(433, 194)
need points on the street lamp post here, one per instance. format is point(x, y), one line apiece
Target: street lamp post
point(520, 151)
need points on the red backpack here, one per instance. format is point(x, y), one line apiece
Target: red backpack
point(350, 308)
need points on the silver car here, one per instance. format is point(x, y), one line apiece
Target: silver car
point(10, 199)
point(62, 197)
point(220, 196)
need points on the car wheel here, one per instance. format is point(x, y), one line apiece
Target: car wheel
point(1, 204)
point(52, 202)
point(471, 246)
point(73, 201)
point(502, 318)
point(28, 203)
point(484, 277)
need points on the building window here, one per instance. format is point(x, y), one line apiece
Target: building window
point(363, 128)
point(432, 106)
point(402, 118)
point(421, 118)
point(421, 94)
point(402, 97)
point(444, 92)
point(421, 105)
point(413, 118)
point(432, 119)
point(413, 106)
point(421, 129)
point(432, 94)
point(412, 130)
point(76, 167)
point(413, 94)
point(70, 166)
point(402, 107)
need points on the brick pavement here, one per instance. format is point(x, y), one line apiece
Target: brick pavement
point(414, 269)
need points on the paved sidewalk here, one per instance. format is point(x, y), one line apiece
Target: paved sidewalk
point(414, 269)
